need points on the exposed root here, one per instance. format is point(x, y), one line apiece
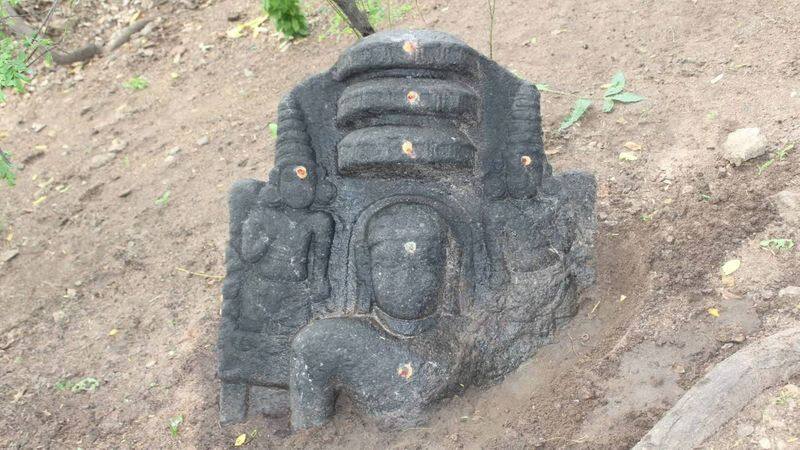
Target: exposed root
point(725, 391)
point(16, 25)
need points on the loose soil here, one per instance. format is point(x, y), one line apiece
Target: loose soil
point(111, 284)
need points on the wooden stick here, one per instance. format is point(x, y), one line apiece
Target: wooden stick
point(200, 274)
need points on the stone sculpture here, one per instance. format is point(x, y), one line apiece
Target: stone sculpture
point(412, 239)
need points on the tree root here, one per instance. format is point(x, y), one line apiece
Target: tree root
point(726, 390)
point(15, 25)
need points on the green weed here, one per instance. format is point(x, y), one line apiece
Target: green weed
point(87, 384)
point(7, 169)
point(777, 244)
point(174, 425)
point(614, 93)
point(287, 16)
point(163, 200)
point(136, 84)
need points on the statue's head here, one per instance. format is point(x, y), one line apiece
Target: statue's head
point(407, 256)
point(298, 185)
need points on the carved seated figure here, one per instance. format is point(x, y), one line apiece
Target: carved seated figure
point(401, 357)
point(277, 272)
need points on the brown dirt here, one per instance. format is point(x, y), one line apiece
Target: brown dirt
point(98, 254)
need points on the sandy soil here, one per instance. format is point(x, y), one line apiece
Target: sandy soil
point(99, 287)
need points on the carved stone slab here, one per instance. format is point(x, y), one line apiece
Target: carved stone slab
point(411, 240)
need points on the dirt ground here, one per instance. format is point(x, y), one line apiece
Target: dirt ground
point(100, 286)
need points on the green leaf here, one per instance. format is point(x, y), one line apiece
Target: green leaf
point(87, 384)
point(608, 105)
point(580, 107)
point(7, 169)
point(617, 84)
point(543, 87)
point(273, 128)
point(627, 97)
point(174, 425)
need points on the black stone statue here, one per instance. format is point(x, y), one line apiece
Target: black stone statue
point(412, 239)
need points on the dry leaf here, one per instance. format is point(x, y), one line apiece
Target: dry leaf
point(731, 266)
point(728, 281)
point(713, 311)
point(113, 332)
point(240, 440)
point(633, 146)
point(628, 156)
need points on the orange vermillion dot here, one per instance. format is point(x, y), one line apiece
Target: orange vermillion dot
point(405, 371)
point(409, 46)
point(408, 149)
point(526, 160)
point(412, 97)
point(301, 172)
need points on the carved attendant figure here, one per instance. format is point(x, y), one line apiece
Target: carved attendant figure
point(277, 272)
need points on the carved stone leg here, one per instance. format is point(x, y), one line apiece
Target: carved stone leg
point(392, 379)
point(232, 403)
point(268, 401)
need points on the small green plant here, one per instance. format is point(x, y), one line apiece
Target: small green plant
point(779, 155)
point(783, 152)
point(174, 425)
point(273, 129)
point(7, 169)
point(87, 384)
point(614, 93)
point(163, 200)
point(287, 16)
point(578, 110)
point(763, 167)
point(136, 84)
point(777, 244)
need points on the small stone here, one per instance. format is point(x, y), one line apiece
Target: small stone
point(117, 145)
point(764, 443)
point(150, 363)
point(687, 190)
point(745, 430)
point(248, 73)
point(37, 127)
point(744, 144)
point(59, 316)
point(125, 193)
point(203, 141)
point(71, 294)
point(234, 16)
point(101, 160)
point(174, 151)
point(731, 335)
point(170, 160)
point(788, 203)
point(9, 255)
point(790, 292)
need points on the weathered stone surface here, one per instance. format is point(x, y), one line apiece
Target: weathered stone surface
point(788, 203)
point(743, 145)
point(410, 241)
